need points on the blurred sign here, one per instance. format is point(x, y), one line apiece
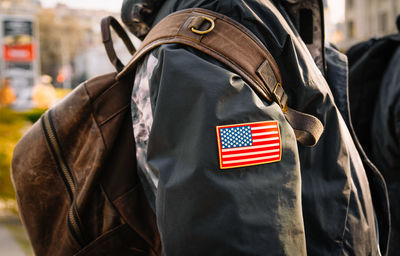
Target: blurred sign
point(18, 53)
point(19, 60)
point(18, 40)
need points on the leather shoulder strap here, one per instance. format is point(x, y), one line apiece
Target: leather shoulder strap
point(230, 43)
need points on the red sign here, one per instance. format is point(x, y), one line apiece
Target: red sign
point(19, 52)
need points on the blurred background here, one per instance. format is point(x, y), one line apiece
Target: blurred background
point(49, 47)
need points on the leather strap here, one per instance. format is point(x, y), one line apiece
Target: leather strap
point(108, 43)
point(230, 43)
point(307, 128)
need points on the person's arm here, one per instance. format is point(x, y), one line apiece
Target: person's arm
point(202, 209)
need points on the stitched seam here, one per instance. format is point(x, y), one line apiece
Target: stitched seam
point(114, 115)
point(102, 94)
point(347, 214)
point(136, 187)
point(94, 118)
point(121, 228)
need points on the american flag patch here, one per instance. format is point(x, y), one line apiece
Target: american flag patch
point(248, 144)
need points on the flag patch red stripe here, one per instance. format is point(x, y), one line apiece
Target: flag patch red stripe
point(254, 162)
point(251, 155)
point(248, 144)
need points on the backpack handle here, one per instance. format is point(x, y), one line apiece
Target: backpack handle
point(106, 23)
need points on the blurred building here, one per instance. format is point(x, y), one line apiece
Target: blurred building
point(365, 19)
point(334, 23)
point(19, 6)
point(72, 45)
point(19, 60)
point(93, 60)
point(62, 42)
point(77, 32)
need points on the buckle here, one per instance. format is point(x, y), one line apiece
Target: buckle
point(202, 32)
point(278, 99)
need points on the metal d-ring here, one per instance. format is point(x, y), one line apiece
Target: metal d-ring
point(202, 32)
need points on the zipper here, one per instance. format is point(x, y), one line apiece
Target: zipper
point(75, 225)
point(66, 174)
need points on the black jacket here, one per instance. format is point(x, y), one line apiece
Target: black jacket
point(314, 201)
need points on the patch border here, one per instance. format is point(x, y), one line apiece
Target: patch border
point(243, 124)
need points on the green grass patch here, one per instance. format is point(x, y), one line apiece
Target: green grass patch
point(12, 126)
point(32, 115)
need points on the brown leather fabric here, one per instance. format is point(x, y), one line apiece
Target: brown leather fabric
point(304, 127)
point(93, 130)
point(232, 44)
point(114, 242)
point(42, 197)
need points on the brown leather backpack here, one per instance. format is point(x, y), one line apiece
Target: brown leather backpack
point(75, 171)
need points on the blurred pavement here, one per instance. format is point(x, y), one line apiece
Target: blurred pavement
point(13, 239)
point(8, 246)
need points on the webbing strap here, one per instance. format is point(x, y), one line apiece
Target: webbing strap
point(235, 46)
point(307, 128)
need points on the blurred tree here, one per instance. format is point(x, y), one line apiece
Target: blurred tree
point(61, 38)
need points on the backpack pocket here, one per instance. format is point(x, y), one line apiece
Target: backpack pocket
point(121, 240)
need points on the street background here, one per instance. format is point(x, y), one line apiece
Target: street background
point(49, 47)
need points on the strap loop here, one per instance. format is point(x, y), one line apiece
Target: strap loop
point(281, 100)
point(307, 128)
point(273, 85)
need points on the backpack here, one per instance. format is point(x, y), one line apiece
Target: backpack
point(368, 62)
point(372, 78)
point(75, 172)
